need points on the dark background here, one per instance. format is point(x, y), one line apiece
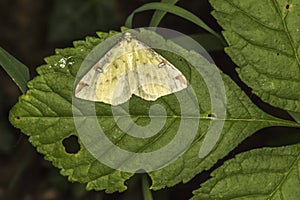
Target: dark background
point(30, 30)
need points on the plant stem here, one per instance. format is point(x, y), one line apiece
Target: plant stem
point(145, 187)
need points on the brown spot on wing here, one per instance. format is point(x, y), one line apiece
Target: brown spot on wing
point(96, 66)
point(181, 78)
point(163, 63)
point(80, 86)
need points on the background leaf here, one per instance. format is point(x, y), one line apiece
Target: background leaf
point(18, 72)
point(159, 14)
point(296, 116)
point(176, 11)
point(45, 114)
point(264, 41)
point(267, 173)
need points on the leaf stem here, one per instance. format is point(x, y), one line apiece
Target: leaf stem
point(145, 187)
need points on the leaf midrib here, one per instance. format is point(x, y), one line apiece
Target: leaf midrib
point(278, 122)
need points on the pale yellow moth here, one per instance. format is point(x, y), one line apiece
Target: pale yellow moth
point(130, 67)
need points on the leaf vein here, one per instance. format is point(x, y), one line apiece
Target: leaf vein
point(288, 34)
point(253, 18)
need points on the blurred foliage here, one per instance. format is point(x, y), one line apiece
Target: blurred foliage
point(72, 19)
point(6, 137)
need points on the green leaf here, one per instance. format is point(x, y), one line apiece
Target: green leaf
point(264, 41)
point(176, 11)
point(296, 116)
point(158, 14)
point(45, 115)
point(17, 71)
point(267, 173)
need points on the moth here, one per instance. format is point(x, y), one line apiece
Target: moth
point(130, 67)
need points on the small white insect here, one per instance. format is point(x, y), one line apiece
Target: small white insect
point(130, 67)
